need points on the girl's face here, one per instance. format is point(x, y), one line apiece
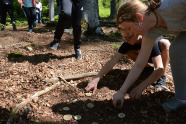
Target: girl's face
point(130, 31)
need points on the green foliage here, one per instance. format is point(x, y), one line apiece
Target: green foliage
point(21, 23)
point(115, 45)
point(144, 0)
point(104, 8)
point(84, 25)
point(33, 45)
point(116, 33)
point(14, 55)
point(1, 25)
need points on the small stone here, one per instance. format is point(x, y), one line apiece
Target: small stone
point(121, 115)
point(88, 94)
point(77, 117)
point(90, 105)
point(74, 101)
point(29, 48)
point(66, 108)
point(67, 117)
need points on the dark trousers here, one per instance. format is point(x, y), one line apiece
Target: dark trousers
point(70, 9)
point(4, 10)
point(30, 14)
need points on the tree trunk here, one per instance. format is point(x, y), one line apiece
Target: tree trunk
point(51, 10)
point(113, 9)
point(91, 14)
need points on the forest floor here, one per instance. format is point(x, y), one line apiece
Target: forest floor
point(24, 74)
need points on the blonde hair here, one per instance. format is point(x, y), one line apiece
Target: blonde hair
point(128, 9)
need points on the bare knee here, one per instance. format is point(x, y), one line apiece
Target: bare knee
point(164, 45)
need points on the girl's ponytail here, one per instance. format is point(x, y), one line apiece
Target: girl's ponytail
point(153, 4)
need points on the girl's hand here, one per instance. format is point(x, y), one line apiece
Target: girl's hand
point(118, 98)
point(136, 92)
point(92, 85)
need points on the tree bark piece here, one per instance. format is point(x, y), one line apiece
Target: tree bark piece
point(60, 80)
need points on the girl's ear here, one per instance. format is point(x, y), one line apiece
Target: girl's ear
point(139, 16)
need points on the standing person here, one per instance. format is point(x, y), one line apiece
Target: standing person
point(29, 9)
point(38, 11)
point(7, 6)
point(159, 57)
point(69, 8)
point(151, 21)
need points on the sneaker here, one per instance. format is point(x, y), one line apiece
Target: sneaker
point(78, 54)
point(161, 84)
point(54, 44)
point(174, 104)
point(30, 30)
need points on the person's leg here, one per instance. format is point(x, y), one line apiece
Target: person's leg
point(10, 12)
point(178, 66)
point(163, 45)
point(64, 17)
point(3, 17)
point(33, 16)
point(28, 15)
point(37, 16)
point(77, 10)
point(40, 20)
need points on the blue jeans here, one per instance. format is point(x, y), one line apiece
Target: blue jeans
point(38, 17)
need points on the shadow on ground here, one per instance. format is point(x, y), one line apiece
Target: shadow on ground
point(18, 119)
point(39, 58)
point(146, 110)
point(115, 78)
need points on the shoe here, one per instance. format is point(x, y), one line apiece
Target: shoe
point(30, 30)
point(14, 26)
point(174, 104)
point(78, 54)
point(161, 84)
point(54, 44)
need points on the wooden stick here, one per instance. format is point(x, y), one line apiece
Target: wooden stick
point(60, 80)
point(70, 77)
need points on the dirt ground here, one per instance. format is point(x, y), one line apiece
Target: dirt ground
point(23, 75)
